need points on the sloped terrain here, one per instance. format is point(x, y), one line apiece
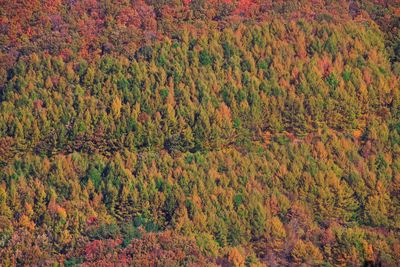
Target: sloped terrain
point(169, 133)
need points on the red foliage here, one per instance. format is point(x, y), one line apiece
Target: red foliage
point(91, 220)
point(37, 104)
point(101, 250)
point(152, 249)
point(245, 7)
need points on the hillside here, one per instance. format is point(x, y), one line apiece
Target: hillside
point(199, 133)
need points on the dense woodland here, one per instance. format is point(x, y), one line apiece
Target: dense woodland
point(198, 133)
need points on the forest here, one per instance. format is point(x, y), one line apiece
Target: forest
point(199, 133)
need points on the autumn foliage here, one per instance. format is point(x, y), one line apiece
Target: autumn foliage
point(199, 133)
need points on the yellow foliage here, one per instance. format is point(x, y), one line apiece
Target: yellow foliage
point(369, 252)
point(277, 228)
point(24, 221)
point(306, 252)
point(66, 236)
point(61, 212)
point(236, 258)
point(28, 209)
point(116, 107)
point(48, 83)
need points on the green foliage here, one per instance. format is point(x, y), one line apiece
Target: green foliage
point(278, 137)
point(205, 58)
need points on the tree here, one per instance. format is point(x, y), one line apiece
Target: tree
point(306, 253)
